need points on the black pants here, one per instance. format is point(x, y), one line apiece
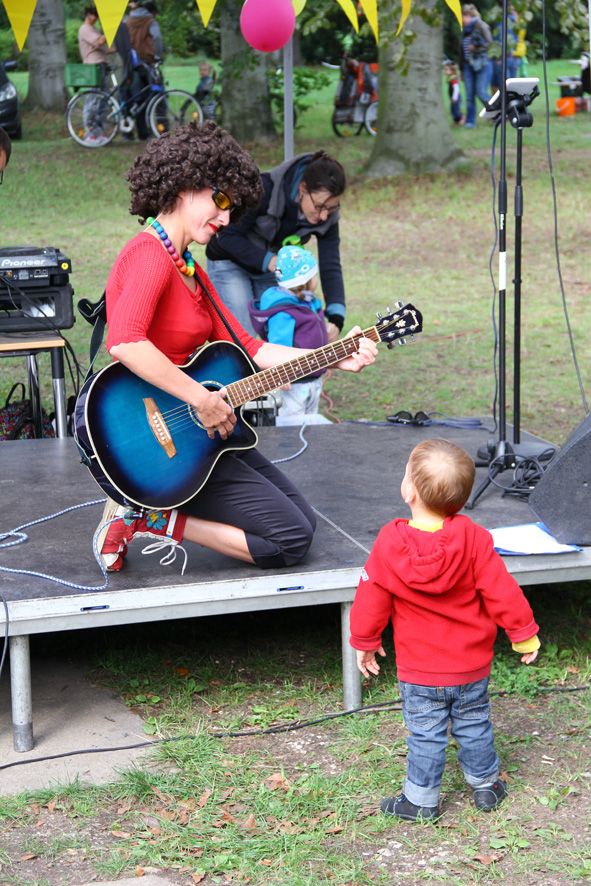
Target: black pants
point(247, 491)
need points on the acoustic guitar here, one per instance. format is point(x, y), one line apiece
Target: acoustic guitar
point(146, 448)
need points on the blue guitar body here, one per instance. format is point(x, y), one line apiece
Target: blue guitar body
point(123, 452)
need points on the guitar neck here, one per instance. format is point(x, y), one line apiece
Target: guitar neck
point(240, 392)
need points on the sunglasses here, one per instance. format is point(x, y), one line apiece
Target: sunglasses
point(1, 176)
point(419, 419)
point(221, 200)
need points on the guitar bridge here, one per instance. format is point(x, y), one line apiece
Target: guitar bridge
point(159, 427)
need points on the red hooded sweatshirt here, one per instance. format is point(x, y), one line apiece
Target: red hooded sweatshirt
point(445, 593)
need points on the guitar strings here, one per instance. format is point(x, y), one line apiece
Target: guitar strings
point(273, 374)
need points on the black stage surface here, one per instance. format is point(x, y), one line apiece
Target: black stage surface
point(350, 473)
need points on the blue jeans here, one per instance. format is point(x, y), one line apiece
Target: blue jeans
point(476, 83)
point(237, 287)
point(427, 711)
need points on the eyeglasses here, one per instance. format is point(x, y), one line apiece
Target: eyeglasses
point(221, 200)
point(419, 419)
point(323, 207)
point(1, 176)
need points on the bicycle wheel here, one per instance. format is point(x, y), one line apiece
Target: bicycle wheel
point(92, 117)
point(343, 123)
point(171, 109)
point(371, 118)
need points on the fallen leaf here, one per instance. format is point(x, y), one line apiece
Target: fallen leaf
point(486, 858)
point(204, 797)
point(266, 861)
point(336, 829)
point(182, 672)
point(139, 871)
point(275, 781)
point(160, 795)
point(121, 835)
point(28, 856)
point(198, 878)
point(249, 824)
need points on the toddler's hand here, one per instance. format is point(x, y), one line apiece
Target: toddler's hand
point(529, 657)
point(366, 661)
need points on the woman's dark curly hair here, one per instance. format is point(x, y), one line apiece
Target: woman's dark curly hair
point(188, 159)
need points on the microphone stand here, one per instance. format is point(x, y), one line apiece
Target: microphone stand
point(505, 455)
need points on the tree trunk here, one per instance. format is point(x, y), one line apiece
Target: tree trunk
point(47, 57)
point(246, 104)
point(414, 134)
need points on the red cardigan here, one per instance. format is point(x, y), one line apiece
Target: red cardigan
point(445, 593)
point(147, 299)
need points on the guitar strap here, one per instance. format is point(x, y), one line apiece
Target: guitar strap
point(96, 314)
point(235, 338)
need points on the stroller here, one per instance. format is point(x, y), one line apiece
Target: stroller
point(356, 99)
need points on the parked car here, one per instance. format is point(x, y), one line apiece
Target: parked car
point(10, 110)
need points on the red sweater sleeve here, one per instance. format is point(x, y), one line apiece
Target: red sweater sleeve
point(372, 607)
point(142, 272)
point(503, 598)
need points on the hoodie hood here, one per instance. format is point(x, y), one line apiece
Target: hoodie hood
point(430, 562)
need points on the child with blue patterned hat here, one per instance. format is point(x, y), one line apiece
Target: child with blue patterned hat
point(290, 314)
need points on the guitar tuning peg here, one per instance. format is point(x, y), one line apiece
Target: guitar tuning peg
point(401, 341)
point(398, 305)
point(379, 315)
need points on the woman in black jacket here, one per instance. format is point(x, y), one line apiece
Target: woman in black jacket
point(300, 198)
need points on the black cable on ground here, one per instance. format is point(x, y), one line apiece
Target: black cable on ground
point(378, 708)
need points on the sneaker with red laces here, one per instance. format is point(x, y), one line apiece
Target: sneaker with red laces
point(165, 528)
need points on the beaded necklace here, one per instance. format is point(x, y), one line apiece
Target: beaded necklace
point(186, 264)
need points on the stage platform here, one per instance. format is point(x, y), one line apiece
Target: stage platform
point(350, 473)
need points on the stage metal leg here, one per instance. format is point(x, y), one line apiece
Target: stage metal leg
point(20, 690)
point(351, 674)
point(34, 394)
point(59, 392)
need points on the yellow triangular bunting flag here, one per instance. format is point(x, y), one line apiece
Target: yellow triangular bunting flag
point(348, 8)
point(110, 13)
point(298, 5)
point(406, 4)
point(456, 8)
point(206, 8)
point(20, 13)
point(370, 8)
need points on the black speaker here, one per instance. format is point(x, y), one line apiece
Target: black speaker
point(562, 497)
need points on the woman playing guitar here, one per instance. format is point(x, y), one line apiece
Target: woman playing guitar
point(161, 307)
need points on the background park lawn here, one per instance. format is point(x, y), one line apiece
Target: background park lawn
point(300, 808)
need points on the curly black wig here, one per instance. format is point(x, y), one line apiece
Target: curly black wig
point(188, 159)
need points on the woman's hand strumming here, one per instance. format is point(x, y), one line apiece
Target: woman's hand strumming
point(215, 413)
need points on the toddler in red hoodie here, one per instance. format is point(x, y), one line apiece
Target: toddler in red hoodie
point(440, 582)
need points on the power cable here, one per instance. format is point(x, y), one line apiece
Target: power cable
point(378, 708)
point(555, 214)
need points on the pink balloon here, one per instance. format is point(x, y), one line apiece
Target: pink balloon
point(267, 25)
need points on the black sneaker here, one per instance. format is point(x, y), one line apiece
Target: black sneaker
point(403, 808)
point(488, 798)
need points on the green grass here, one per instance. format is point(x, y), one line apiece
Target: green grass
point(300, 807)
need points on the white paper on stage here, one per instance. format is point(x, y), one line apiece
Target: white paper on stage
point(529, 538)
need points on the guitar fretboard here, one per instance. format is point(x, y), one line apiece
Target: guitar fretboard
point(240, 392)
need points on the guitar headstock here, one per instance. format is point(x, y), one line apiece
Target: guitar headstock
point(395, 326)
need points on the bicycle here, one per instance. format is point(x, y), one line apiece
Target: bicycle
point(356, 99)
point(95, 116)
